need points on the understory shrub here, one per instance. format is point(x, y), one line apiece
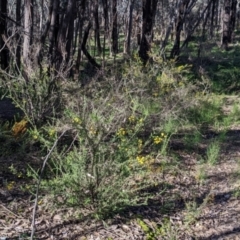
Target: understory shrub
point(115, 129)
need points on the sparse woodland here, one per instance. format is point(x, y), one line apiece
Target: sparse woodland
point(119, 119)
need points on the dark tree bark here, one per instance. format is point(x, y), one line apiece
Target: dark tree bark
point(213, 15)
point(3, 48)
point(106, 25)
point(81, 22)
point(148, 11)
point(129, 34)
point(114, 27)
point(86, 53)
point(65, 38)
point(18, 39)
point(226, 17)
point(53, 31)
point(97, 28)
point(232, 20)
point(44, 34)
point(179, 26)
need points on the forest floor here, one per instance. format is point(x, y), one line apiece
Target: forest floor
point(200, 201)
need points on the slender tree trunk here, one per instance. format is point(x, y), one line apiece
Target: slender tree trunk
point(27, 30)
point(213, 15)
point(3, 48)
point(226, 17)
point(232, 21)
point(179, 26)
point(53, 31)
point(114, 27)
point(44, 34)
point(18, 39)
point(149, 10)
point(129, 34)
point(86, 53)
point(80, 16)
point(106, 26)
point(97, 28)
point(65, 37)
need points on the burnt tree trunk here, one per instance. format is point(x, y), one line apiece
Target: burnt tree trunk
point(85, 51)
point(97, 28)
point(148, 11)
point(114, 27)
point(226, 23)
point(179, 26)
point(4, 50)
point(18, 38)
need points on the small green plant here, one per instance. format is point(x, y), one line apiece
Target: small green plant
point(200, 174)
point(192, 140)
point(213, 153)
point(193, 211)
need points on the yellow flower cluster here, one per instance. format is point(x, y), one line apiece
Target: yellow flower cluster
point(140, 144)
point(132, 119)
point(159, 139)
point(121, 132)
point(76, 120)
point(51, 132)
point(141, 159)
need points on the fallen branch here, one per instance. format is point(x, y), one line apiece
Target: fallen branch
point(38, 185)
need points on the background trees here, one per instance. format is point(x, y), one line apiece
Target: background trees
point(55, 33)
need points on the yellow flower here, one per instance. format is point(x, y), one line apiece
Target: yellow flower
point(121, 132)
point(35, 136)
point(141, 159)
point(76, 120)
point(157, 140)
point(163, 135)
point(51, 132)
point(132, 119)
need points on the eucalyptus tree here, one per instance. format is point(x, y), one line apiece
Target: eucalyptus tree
point(3, 24)
point(148, 14)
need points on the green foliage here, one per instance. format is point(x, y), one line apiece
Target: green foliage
point(38, 97)
point(116, 129)
point(213, 152)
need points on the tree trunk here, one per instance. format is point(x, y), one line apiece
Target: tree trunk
point(44, 33)
point(65, 37)
point(86, 53)
point(27, 31)
point(79, 54)
point(97, 30)
point(114, 27)
point(128, 48)
point(148, 11)
point(179, 26)
point(53, 31)
point(226, 17)
point(213, 15)
point(106, 26)
point(18, 39)
point(232, 20)
point(4, 50)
